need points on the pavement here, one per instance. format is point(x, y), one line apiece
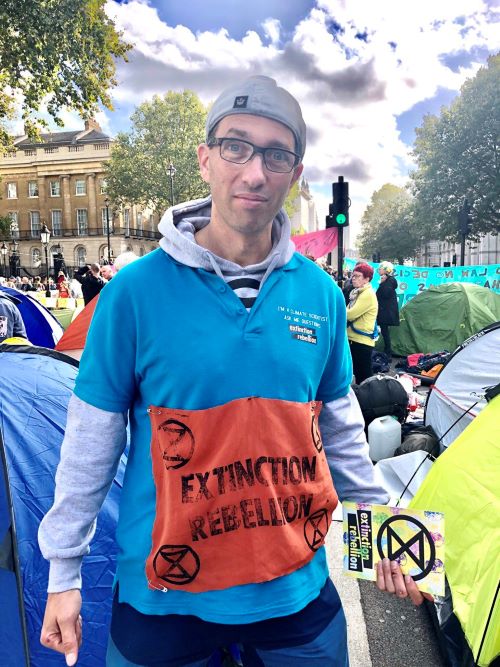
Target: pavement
point(383, 630)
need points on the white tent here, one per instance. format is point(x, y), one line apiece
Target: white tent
point(458, 392)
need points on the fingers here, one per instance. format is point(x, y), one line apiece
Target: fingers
point(70, 640)
point(415, 595)
point(391, 579)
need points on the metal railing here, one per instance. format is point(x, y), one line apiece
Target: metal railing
point(34, 235)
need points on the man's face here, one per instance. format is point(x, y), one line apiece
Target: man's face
point(246, 197)
point(106, 272)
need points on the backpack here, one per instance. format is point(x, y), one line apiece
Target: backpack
point(420, 438)
point(382, 395)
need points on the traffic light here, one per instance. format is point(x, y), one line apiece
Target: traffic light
point(339, 209)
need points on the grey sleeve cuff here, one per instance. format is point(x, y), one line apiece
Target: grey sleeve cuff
point(64, 574)
point(342, 430)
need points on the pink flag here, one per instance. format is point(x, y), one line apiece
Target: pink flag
point(316, 244)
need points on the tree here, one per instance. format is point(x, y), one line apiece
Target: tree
point(62, 50)
point(458, 156)
point(165, 131)
point(290, 204)
point(388, 227)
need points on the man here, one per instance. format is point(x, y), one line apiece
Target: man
point(388, 313)
point(107, 272)
point(11, 322)
point(221, 366)
point(90, 279)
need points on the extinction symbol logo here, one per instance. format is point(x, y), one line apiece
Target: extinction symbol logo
point(176, 442)
point(415, 547)
point(316, 528)
point(316, 435)
point(176, 564)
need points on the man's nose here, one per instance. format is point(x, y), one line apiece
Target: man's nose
point(255, 171)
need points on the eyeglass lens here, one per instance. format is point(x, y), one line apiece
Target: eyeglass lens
point(276, 159)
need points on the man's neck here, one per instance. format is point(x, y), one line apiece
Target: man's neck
point(241, 249)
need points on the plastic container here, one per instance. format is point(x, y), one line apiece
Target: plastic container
point(384, 437)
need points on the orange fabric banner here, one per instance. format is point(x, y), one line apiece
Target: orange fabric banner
point(244, 493)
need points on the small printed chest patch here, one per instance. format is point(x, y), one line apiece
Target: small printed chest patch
point(305, 334)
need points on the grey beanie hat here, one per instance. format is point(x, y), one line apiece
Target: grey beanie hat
point(260, 96)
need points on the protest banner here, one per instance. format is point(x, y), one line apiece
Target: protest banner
point(316, 244)
point(415, 279)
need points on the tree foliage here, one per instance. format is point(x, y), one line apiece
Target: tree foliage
point(290, 204)
point(60, 49)
point(388, 227)
point(458, 156)
point(165, 131)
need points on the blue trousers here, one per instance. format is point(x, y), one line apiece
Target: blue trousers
point(328, 649)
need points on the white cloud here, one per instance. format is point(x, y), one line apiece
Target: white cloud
point(352, 83)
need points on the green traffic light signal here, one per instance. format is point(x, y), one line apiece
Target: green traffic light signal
point(340, 219)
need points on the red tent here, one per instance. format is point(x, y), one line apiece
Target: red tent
point(73, 339)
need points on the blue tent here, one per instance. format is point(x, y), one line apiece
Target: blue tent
point(35, 387)
point(42, 328)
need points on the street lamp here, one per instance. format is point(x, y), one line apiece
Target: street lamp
point(45, 238)
point(171, 172)
point(106, 201)
point(14, 256)
point(4, 250)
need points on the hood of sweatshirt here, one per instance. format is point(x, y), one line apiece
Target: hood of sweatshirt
point(180, 223)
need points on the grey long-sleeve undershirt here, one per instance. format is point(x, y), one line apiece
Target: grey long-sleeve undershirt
point(89, 463)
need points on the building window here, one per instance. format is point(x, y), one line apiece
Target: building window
point(126, 221)
point(32, 189)
point(11, 190)
point(139, 221)
point(14, 225)
point(104, 186)
point(55, 188)
point(30, 152)
point(104, 221)
point(56, 219)
point(81, 221)
point(36, 257)
point(35, 223)
point(51, 149)
point(101, 147)
point(80, 255)
point(80, 188)
point(75, 149)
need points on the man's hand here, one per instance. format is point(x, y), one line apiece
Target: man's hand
point(62, 624)
point(391, 579)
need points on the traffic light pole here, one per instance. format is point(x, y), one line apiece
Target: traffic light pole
point(462, 249)
point(340, 256)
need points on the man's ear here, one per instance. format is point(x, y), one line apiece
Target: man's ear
point(203, 161)
point(296, 174)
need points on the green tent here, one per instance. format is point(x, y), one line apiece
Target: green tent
point(442, 317)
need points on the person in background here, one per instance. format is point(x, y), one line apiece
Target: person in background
point(11, 322)
point(388, 313)
point(362, 321)
point(107, 272)
point(90, 279)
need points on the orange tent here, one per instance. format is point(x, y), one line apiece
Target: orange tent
point(73, 339)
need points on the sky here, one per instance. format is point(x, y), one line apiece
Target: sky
point(364, 71)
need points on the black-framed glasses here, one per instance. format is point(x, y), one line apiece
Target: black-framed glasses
point(239, 151)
